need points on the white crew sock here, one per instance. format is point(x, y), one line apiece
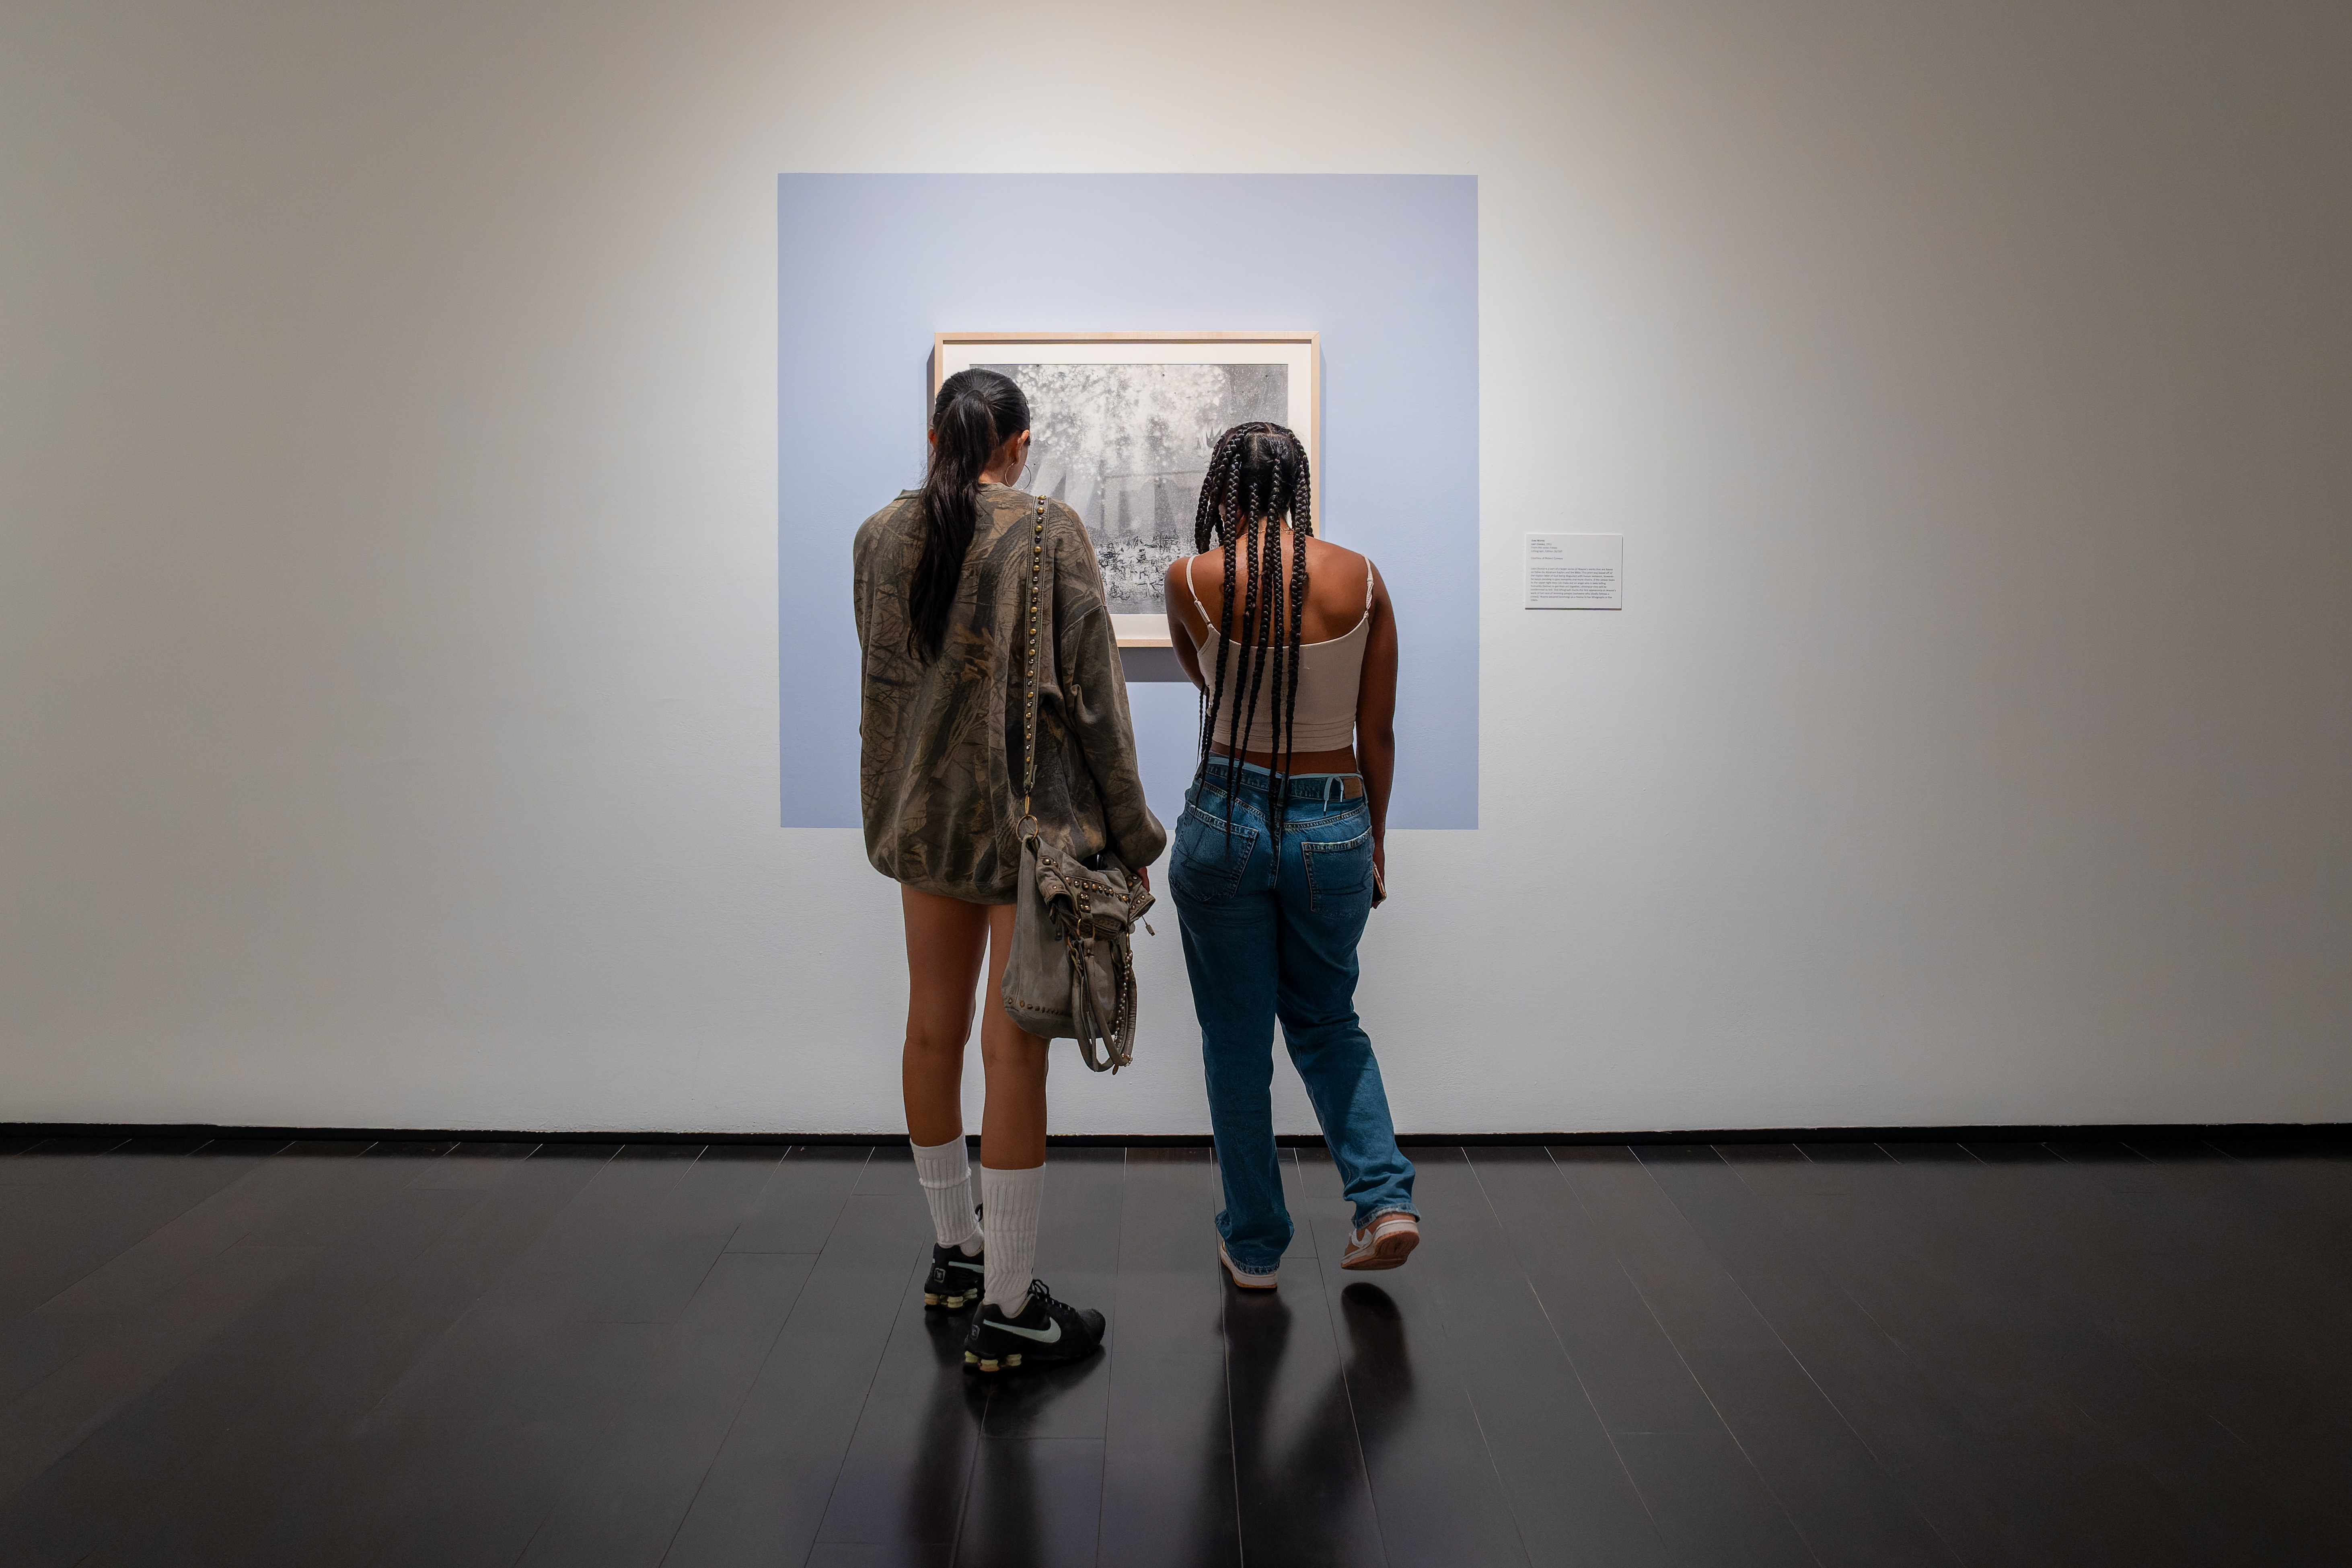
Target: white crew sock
point(945, 1172)
point(1009, 1200)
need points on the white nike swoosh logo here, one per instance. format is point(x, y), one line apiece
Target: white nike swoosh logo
point(1042, 1336)
point(959, 1263)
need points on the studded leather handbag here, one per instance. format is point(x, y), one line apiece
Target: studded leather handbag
point(1071, 973)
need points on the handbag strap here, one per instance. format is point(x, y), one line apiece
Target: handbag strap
point(1029, 698)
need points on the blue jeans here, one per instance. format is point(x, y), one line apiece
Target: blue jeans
point(1269, 937)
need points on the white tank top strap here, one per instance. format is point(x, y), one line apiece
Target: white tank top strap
point(1330, 677)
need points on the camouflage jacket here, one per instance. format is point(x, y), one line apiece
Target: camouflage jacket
point(940, 753)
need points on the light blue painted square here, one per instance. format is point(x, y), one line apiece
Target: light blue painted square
point(1385, 267)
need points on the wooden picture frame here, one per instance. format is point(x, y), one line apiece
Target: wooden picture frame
point(1124, 442)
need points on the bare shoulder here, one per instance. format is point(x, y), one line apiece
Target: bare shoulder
point(1182, 583)
point(1343, 571)
point(1322, 555)
point(1193, 570)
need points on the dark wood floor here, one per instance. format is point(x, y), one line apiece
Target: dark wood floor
point(339, 1353)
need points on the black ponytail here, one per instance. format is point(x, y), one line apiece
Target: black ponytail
point(977, 411)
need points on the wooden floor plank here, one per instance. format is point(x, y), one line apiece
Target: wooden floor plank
point(52, 1161)
point(1702, 1493)
point(1568, 1487)
point(344, 1229)
point(1426, 1452)
point(482, 1436)
point(1303, 1495)
point(2189, 1368)
point(1844, 1505)
point(96, 1207)
point(37, 1343)
point(764, 1498)
point(649, 1270)
point(50, 1419)
point(624, 1506)
point(798, 1206)
point(1168, 1461)
point(301, 1474)
point(1036, 1502)
point(1888, 1401)
point(907, 1470)
point(2017, 1363)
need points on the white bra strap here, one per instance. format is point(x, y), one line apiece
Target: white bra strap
point(1367, 585)
point(1196, 593)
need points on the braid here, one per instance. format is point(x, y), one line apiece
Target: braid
point(1298, 536)
point(1225, 641)
point(1208, 514)
point(1253, 615)
point(1204, 529)
point(1295, 473)
point(1302, 495)
point(1220, 500)
point(1265, 585)
point(1286, 668)
point(1268, 640)
point(1302, 528)
point(1258, 476)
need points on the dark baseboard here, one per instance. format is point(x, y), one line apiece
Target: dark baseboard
point(2091, 1133)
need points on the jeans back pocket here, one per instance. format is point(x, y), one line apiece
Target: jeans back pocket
point(1338, 870)
point(1209, 862)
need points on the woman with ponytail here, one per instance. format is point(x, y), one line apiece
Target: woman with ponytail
point(942, 597)
point(1280, 854)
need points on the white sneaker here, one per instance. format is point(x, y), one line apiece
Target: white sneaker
point(1248, 1279)
point(1385, 1240)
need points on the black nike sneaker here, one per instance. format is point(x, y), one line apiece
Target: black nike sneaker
point(1046, 1331)
point(955, 1280)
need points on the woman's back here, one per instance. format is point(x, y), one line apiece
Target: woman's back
point(940, 757)
point(1337, 584)
point(1347, 649)
point(1335, 630)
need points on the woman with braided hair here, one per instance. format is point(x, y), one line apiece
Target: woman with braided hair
point(1279, 854)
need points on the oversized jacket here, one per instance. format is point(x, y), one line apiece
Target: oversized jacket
point(941, 752)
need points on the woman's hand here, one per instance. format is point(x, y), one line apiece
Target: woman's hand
point(1379, 869)
point(1144, 874)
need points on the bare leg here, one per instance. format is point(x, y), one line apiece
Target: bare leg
point(1012, 1134)
point(1012, 1118)
point(945, 939)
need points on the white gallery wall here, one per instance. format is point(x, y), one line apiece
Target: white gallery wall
point(388, 565)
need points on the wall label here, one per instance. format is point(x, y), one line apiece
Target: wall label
point(1576, 571)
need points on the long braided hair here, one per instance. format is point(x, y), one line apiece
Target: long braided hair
point(1257, 474)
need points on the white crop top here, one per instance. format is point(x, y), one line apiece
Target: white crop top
point(1331, 674)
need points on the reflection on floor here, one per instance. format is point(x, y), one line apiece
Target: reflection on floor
point(345, 1353)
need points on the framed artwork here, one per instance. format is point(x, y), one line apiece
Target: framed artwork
point(1121, 425)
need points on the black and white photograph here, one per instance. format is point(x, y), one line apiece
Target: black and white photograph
point(1122, 426)
point(1126, 446)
